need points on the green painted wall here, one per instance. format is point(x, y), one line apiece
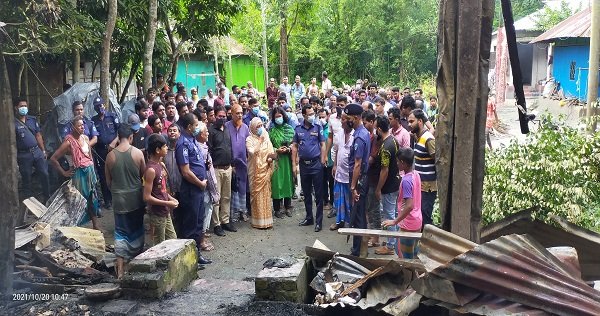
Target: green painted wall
point(196, 74)
point(242, 70)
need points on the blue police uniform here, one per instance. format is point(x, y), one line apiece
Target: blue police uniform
point(248, 117)
point(89, 129)
point(309, 140)
point(190, 214)
point(361, 146)
point(30, 155)
point(107, 131)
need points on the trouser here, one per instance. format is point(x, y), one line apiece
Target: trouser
point(287, 203)
point(358, 217)
point(373, 210)
point(100, 158)
point(191, 213)
point(220, 214)
point(248, 204)
point(388, 211)
point(208, 209)
point(427, 202)
point(27, 161)
point(311, 176)
point(162, 228)
point(328, 185)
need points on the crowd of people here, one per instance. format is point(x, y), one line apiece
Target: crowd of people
point(197, 165)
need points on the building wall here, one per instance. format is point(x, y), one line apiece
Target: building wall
point(571, 64)
point(540, 63)
point(199, 74)
point(243, 69)
point(39, 93)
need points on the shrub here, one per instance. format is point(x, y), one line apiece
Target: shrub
point(557, 169)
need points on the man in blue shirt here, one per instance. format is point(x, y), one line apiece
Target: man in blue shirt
point(297, 91)
point(358, 162)
point(308, 150)
point(106, 124)
point(253, 111)
point(189, 218)
point(31, 152)
point(89, 129)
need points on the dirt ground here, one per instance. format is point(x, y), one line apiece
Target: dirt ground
point(226, 287)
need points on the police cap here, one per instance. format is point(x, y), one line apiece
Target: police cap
point(353, 109)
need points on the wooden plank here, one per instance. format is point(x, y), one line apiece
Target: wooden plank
point(378, 233)
point(35, 207)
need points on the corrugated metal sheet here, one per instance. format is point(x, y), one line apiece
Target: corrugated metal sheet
point(585, 241)
point(438, 247)
point(578, 25)
point(515, 268)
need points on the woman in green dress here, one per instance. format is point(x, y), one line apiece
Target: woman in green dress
point(282, 185)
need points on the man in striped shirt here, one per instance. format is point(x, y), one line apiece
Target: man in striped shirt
point(424, 162)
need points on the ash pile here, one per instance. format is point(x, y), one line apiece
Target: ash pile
point(53, 256)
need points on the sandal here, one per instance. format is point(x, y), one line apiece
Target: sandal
point(372, 243)
point(207, 246)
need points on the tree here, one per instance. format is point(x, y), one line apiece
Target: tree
point(150, 37)
point(105, 53)
point(189, 25)
point(548, 18)
point(521, 8)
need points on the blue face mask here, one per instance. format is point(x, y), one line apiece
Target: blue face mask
point(255, 110)
point(279, 120)
point(311, 119)
point(259, 131)
point(23, 111)
point(196, 131)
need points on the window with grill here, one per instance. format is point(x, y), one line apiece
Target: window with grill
point(572, 70)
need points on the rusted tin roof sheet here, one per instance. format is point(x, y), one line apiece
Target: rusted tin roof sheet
point(515, 268)
point(564, 233)
point(578, 25)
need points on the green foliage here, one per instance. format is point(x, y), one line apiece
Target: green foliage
point(390, 42)
point(520, 8)
point(556, 170)
point(550, 18)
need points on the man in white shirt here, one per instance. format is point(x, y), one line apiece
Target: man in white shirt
point(326, 84)
point(210, 98)
point(285, 87)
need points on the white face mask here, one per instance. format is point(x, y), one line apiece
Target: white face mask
point(323, 121)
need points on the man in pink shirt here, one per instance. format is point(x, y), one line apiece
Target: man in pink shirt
point(400, 133)
point(409, 204)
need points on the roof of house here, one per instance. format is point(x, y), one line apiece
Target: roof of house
point(578, 25)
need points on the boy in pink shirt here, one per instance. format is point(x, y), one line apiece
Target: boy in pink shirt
point(409, 204)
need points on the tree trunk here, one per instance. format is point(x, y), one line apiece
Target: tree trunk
point(174, 61)
point(174, 52)
point(149, 49)
point(9, 184)
point(105, 54)
point(284, 69)
point(132, 72)
point(20, 78)
point(75, 66)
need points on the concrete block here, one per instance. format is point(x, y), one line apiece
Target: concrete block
point(167, 267)
point(283, 284)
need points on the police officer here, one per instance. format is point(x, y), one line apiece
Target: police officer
point(31, 152)
point(89, 129)
point(189, 217)
point(308, 151)
point(358, 163)
point(106, 124)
